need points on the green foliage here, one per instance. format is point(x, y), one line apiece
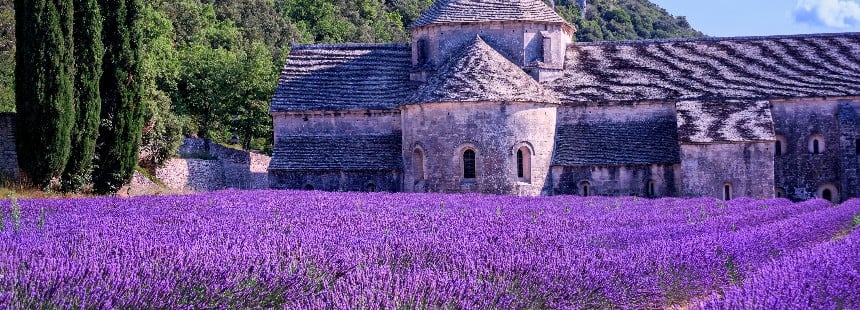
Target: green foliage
point(44, 87)
point(7, 56)
point(612, 20)
point(121, 89)
point(88, 64)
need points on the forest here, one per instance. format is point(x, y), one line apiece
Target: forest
point(210, 66)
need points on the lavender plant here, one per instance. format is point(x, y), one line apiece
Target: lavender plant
point(314, 250)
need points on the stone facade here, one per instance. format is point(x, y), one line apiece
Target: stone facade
point(8, 155)
point(493, 97)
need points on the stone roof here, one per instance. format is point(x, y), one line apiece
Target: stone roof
point(823, 65)
point(477, 11)
point(344, 77)
point(607, 143)
point(477, 72)
point(724, 121)
point(337, 153)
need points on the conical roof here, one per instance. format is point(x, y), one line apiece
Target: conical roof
point(479, 73)
point(476, 11)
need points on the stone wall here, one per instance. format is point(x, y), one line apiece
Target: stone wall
point(631, 180)
point(8, 155)
point(799, 173)
point(220, 167)
point(337, 123)
point(443, 131)
point(337, 181)
point(849, 148)
point(747, 167)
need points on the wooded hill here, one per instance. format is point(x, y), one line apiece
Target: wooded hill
point(210, 66)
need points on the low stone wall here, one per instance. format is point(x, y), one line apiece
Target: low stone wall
point(192, 174)
point(219, 167)
point(8, 155)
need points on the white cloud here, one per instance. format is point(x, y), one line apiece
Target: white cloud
point(828, 13)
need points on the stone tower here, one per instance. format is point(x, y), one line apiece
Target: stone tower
point(526, 32)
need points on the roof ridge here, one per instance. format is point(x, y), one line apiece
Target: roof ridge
point(719, 39)
point(318, 46)
point(477, 11)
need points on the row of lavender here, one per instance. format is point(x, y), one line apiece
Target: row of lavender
point(318, 250)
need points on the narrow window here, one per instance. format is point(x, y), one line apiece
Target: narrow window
point(778, 147)
point(815, 149)
point(469, 164)
point(827, 195)
point(418, 164)
point(422, 52)
point(309, 187)
point(727, 191)
point(585, 189)
point(371, 187)
point(780, 193)
point(652, 191)
point(520, 163)
point(857, 147)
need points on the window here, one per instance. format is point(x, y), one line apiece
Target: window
point(857, 146)
point(309, 187)
point(817, 144)
point(524, 164)
point(652, 189)
point(418, 164)
point(727, 191)
point(585, 188)
point(778, 147)
point(780, 192)
point(423, 51)
point(826, 194)
point(469, 164)
point(371, 187)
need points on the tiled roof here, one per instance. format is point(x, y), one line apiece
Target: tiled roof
point(752, 68)
point(648, 142)
point(475, 11)
point(344, 77)
point(337, 153)
point(724, 121)
point(479, 73)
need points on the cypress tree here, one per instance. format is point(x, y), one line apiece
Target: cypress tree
point(121, 88)
point(43, 87)
point(89, 51)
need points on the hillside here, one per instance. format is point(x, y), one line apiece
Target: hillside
point(207, 61)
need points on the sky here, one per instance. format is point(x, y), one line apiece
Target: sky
point(729, 18)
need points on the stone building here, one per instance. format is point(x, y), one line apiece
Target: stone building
point(494, 96)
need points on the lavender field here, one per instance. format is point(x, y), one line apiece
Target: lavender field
point(303, 250)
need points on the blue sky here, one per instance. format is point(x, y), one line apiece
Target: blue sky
point(725, 18)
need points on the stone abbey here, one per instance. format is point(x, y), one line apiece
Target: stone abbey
point(493, 96)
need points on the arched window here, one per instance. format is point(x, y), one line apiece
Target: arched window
point(585, 188)
point(524, 165)
point(778, 148)
point(371, 187)
point(817, 144)
point(727, 191)
point(309, 187)
point(418, 164)
point(781, 146)
point(469, 164)
point(652, 188)
point(826, 194)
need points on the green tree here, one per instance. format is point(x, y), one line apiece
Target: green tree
point(89, 51)
point(121, 88)
point(162, 130)
point(7, 56)
point(44, 86)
